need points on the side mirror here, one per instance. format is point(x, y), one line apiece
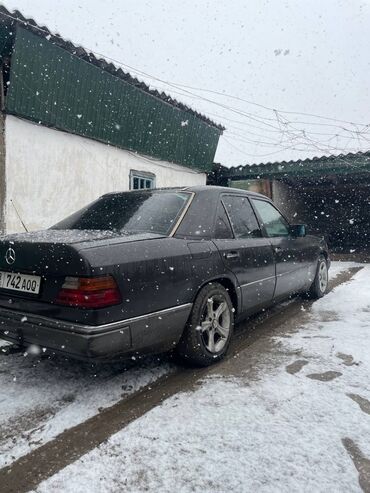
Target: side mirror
point(298, 230)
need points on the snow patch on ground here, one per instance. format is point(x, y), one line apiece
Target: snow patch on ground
point(41, 398)
point(282, 432)
point(337, 268)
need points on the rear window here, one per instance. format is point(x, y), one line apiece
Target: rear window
point(131, 212)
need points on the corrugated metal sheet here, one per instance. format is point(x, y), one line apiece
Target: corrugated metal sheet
point(311, 167)
point(50, 85)
point(9, 21)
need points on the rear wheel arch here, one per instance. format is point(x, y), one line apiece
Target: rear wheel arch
point(209, 330)
point(230, 288)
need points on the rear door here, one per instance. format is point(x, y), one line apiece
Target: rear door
point(245, 251)
point(294, 257)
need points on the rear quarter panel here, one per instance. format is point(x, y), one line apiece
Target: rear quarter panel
point(152, 275)
point(156, 274)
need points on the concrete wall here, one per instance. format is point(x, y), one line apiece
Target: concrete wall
point(50, 174)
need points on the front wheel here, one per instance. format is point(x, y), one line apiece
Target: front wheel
point(320, 283)
point(208, 332)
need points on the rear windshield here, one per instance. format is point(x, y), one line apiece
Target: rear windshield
point(130, 212)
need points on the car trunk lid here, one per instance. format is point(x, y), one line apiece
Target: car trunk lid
point(48, 258)
point(58, 252)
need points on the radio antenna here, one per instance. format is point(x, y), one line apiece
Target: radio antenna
point(19, 217)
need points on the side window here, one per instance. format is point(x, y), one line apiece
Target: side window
point(273, 221)
point(141, 180)
point(242, 217)
point(222, 227)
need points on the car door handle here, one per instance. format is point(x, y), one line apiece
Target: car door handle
point(230, 255)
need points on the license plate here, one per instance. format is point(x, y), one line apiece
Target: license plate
point(20, 282)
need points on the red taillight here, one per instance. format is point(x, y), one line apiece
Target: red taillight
point(89, 292)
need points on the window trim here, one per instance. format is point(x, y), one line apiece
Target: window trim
point(222, 205)
point(144, 175)
point(253, 210)
point(262, 226)
point(180, 219)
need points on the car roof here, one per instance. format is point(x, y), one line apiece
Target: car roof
point(199, 189)
point(218, 190)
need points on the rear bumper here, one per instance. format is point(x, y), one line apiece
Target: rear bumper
point(153, 332)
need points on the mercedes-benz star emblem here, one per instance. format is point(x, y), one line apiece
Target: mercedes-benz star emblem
point(10, 256)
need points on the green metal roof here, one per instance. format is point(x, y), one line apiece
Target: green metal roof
point(315, 167)
point(59, 86)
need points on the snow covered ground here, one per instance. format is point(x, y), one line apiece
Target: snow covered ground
point(41, 398)
point(337, 268)
point(301, 423)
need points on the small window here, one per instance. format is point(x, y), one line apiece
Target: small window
point(272, 220)
point(141, 180)
point(242, 217)
point(222, 227)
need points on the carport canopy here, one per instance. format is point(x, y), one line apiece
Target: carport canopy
point(342, 164)
point(331, 194)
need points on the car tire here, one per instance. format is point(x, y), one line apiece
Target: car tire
point(320, 283)
point(210, 327)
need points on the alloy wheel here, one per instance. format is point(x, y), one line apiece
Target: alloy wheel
point(323, 276)
point(215, 324)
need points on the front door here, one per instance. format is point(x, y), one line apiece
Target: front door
point(245, 251)
point(294, 257)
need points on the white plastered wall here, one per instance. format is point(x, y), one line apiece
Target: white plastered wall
point(50, 174)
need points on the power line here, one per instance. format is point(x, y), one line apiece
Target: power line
point(260, 119)
point(286, 130)
point(180, 86)
point(256, 155)
point(224, 94)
